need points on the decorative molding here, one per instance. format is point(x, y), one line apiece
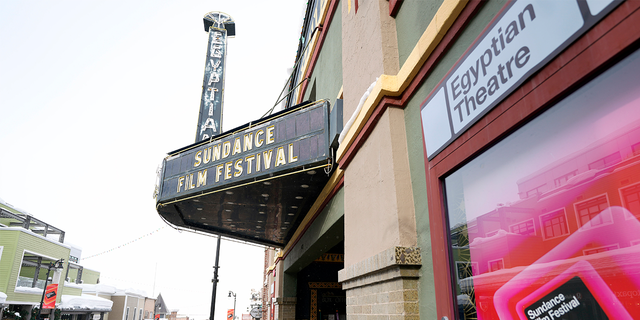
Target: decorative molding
point(325, 285)
point(313, 312)
point(331, 257)
point(394, 85)
point(408, 256)
point(314, 286)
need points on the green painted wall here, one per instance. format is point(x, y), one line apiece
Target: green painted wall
point(327, 74)
point(31, 271)
point(325, 83)
point(10, 209)
point(415, 145)
point(8, 242)
point(90, 276)
point(326, 231)
point(73, 274)
point(15, 242)
point(314, 242)
point(411, 21)
point(6, 221)
point(71, 291)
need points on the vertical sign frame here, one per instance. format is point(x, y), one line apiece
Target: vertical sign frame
point(211, 102)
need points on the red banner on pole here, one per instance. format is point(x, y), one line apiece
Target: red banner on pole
point(230, 314)
point(50, 295)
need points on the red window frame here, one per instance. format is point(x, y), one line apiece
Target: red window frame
point(526, 227)
point(591, 251)
point(554, 224)
point(631, 199)
point(606, 43)
point(495, 265)
point(587, 210)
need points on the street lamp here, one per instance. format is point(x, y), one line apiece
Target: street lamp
point(231, 293)
point(58, 264)
point(155, 310)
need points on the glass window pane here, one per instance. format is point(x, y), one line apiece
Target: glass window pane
point(574, 174)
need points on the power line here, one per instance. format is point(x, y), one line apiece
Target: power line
point(124, 245)
point(179, 230)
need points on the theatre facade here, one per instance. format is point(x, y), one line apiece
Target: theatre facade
point(438, 160)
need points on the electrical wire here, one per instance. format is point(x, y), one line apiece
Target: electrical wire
point(295, 66)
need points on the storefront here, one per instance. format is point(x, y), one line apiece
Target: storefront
point(488, 166)
point(534, 174)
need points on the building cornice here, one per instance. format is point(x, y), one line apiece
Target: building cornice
point(394, 90)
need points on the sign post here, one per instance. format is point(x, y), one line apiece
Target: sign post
point(219, 25)
point(256, 313)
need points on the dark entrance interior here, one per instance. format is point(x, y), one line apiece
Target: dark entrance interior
point(320, 296)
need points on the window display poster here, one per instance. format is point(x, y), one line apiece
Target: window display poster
point(545, 224)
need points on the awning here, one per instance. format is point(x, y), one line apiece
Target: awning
point(84, 303)
point(255, 183)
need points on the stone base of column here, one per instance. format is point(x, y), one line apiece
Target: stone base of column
point(383, 287)
point(285, 308)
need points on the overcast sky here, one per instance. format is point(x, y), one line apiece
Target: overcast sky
point(93, 94)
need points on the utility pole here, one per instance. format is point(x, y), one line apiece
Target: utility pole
point(219, 25)
point(215, 281)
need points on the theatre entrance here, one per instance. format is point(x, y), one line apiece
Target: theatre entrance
point(320, 295)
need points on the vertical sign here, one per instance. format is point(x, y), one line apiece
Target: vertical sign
point(210, 118)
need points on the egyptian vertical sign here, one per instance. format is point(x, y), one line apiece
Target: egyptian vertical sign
point(219, 25)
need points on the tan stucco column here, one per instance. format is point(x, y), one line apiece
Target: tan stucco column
point(380, 242)
point(369, 48)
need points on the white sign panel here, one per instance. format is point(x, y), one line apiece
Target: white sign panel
point(518, 43)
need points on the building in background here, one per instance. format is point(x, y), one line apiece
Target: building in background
point(128, 304)
point(149, 307)
point(161, 310)
point(465, 165)
point(31, 249)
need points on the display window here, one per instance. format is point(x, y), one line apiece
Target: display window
point(545, 224)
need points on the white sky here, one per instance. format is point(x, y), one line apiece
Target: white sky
point(93, 94)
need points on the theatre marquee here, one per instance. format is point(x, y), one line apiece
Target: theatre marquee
point(254, 183)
